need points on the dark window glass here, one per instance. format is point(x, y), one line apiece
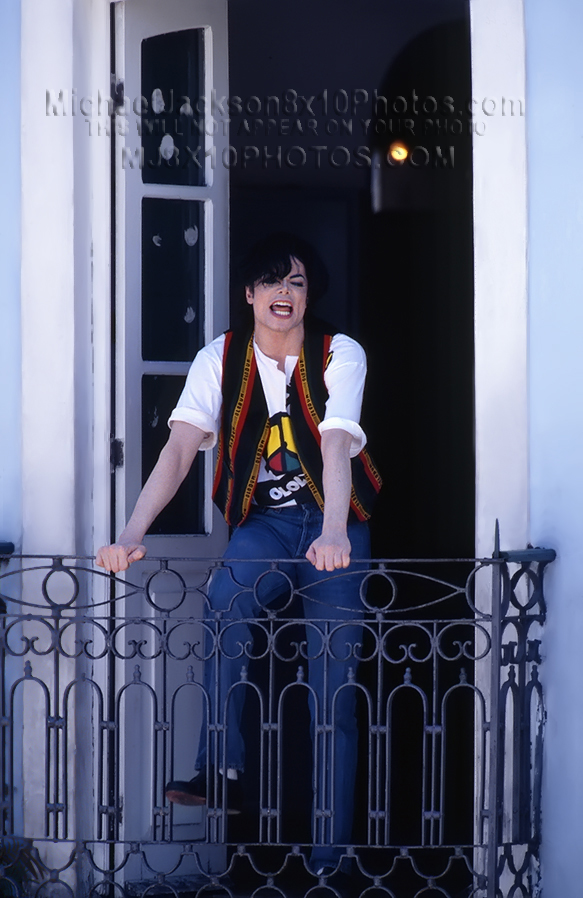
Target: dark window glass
point(172, 280)
point(172, 128)
point(185, 513)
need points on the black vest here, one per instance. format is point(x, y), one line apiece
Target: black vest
point(245, 427)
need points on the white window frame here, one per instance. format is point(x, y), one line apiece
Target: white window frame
point(136, 20)
point(156, 17)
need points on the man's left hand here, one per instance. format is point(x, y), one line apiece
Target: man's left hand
point(329, 552)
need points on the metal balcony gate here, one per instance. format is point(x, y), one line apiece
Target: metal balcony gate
point(103, 692)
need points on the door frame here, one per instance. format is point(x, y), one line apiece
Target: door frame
point(500, 278)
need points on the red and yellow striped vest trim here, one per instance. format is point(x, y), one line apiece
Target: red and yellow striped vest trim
point(245, 427)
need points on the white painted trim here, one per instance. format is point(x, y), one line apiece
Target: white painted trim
point(100, 224)
point(500, 316)
point(500, 258)
point(65, 335)
point(144, 19)
point(120, 274)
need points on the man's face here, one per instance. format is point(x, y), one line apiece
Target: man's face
point(280, 306)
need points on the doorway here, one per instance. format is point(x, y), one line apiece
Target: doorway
point(319, 95)
point(350, 127)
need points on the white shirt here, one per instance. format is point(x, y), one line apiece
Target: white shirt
point(201, 400)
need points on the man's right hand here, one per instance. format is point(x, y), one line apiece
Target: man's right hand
point(170, 470)
point(119, 556)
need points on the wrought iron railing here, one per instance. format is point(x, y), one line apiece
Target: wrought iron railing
point(104, 691)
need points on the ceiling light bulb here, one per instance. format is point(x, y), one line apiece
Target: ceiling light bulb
point(397, 151)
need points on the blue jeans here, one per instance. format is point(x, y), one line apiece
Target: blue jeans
point(242, 590)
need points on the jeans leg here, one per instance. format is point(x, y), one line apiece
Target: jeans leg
point(234, 595)
point(334, 597)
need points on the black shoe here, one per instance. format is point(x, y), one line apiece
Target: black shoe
point(343, 878)
point(325, 870)
point(194, 791)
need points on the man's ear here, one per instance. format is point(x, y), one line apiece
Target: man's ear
point(249, 294)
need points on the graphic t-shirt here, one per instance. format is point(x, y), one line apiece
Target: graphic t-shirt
point(280, 480)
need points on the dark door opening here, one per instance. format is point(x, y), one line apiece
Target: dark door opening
point(318, 95)
point(350, 127)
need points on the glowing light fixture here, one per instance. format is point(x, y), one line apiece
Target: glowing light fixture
point(397, 151)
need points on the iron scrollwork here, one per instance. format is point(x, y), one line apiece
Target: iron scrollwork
point(103, 688)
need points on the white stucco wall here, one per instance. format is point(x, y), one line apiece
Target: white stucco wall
point(555, 149)
point(10, 434)
point(500, 275)
point(64, 277)
point(64, 307)
point(48, 315)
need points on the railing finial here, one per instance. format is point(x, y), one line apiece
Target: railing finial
point(496, 540)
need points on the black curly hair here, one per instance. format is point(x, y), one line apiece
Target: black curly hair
point(270, 260)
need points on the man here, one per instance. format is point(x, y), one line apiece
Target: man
point(283, 399)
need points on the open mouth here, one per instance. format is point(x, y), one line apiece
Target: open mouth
point(282, 309)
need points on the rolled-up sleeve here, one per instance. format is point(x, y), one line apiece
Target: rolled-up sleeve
point(201, 400)
point(344, 378)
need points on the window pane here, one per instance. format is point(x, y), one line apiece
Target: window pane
point(185, 513)
point(172, 128)
point(172, 280)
